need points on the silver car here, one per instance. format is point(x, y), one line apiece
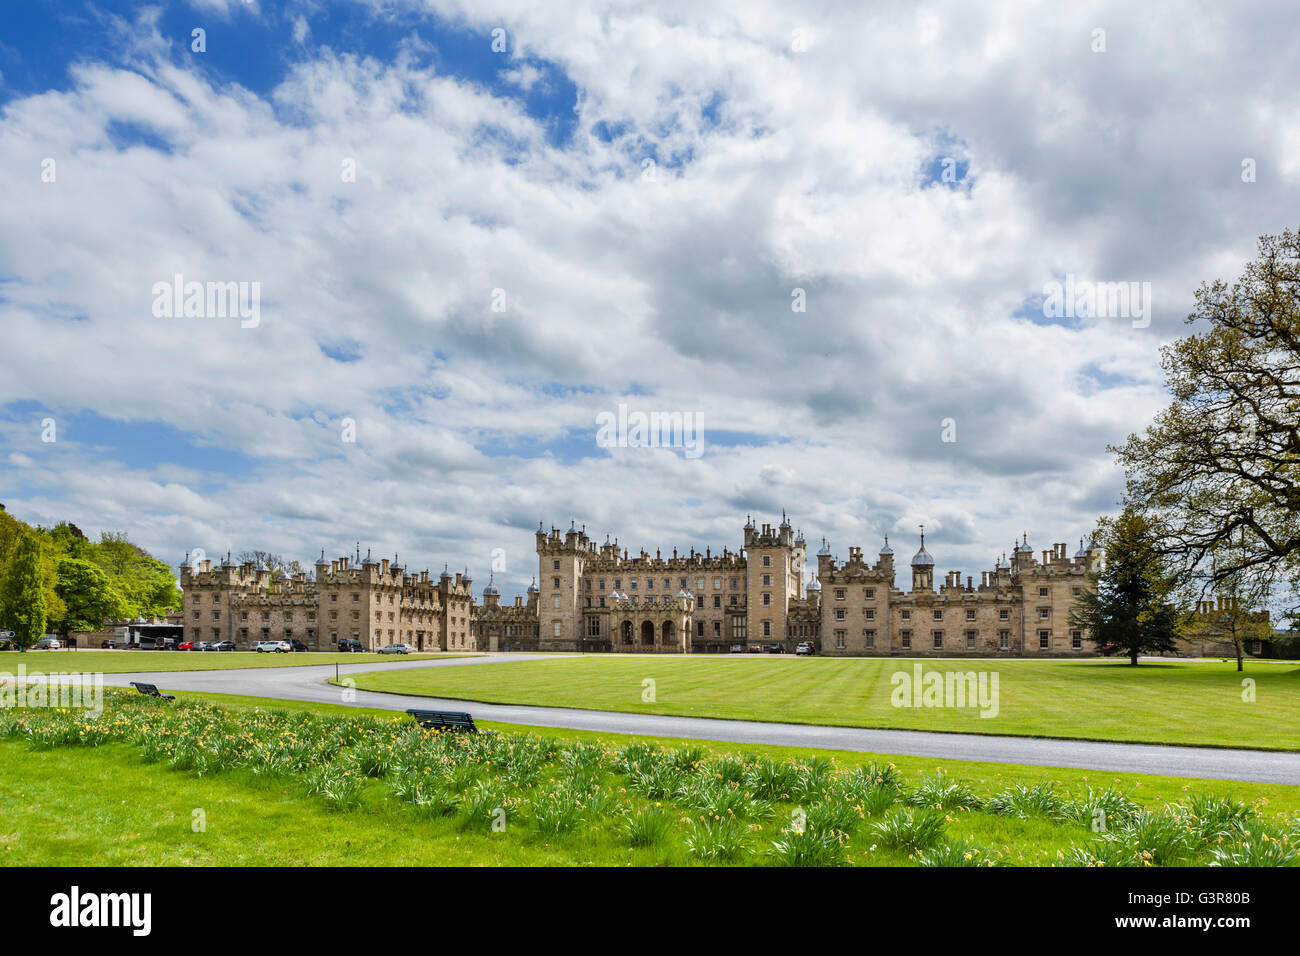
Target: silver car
point(395, 649)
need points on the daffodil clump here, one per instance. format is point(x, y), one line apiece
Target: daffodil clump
point(713, 808)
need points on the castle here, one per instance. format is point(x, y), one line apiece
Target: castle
point(590, 597)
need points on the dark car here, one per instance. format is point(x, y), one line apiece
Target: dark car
point(350, 645)
point(298, 645)
point(221, 646)
point(108, 642)
point(775, 649)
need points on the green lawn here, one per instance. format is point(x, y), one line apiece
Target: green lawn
point(1173, 702)
point(129, 662)
point(71, 802)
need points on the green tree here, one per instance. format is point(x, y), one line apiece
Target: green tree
point(88, 597)
point(22, 592)
point(146, 585)
point(1219, 469)
point(1130, 605)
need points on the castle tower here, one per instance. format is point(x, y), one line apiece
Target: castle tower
point(771, 579)
point(922, 568)
point(560, 562)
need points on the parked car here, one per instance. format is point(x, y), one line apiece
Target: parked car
point(221, 646)
point(47, 644)
point(272, 647)
point(108, 642)
point(395, 649)
point(737, 648)
point(805, 648)
point(756, 648)
point(186, 646)
point(775, 649)
point(350, 645)
point(7, 642)
point(299, 645)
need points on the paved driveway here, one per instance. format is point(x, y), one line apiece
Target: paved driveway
point(310, 684)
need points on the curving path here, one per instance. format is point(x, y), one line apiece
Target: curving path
point(310, 683)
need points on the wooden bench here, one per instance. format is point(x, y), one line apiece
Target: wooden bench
point(444, 720)
point(151, 690)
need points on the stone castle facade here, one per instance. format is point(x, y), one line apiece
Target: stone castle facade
point(598, 597)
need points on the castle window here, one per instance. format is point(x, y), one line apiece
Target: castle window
point(869, 638)
point(767, 628)
point(717, 600)
point(839, 614)
point(1044, 613)
point(243, 615)
point(1076, 592)
point(938, 639)
point(717, 584)
point(556, 630)
point(356, 596)
point(1004, 640)
point(970, 640)
point(739, 628)
point(649, 584)
point(767, 599)
point(868, 594)
point(1076, 639)
point(869, 613)
point(699, 628)
point(555, 565)
point(216, 615)
point(1043, 639)
point(938, 615)
point(733, 600)
point(631, 585)
point(907, 614)
point(839, 594)
point(906, 638)
point(717, 628)
point(555, 601)
point(602, 584)
point(555, 582)
point(333, 598)
point(699, 583)
point(602, 602)
point(668, 585)
point(593, 626)
point(970, 614)
point(1042, 592)
point(734, 585)
point(839, 638)
point(1004, 614)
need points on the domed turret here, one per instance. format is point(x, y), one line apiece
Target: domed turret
point(532, 588)
point(1082, 552)
point(922, 567)
point(886, 549)
point(1024, 547)
point(825, 548)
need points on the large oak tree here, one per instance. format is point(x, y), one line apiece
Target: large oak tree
point(1217, 474)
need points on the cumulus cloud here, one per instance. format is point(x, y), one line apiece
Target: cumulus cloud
point(471, 290)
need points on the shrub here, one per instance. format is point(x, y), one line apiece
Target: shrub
point(943, 794)
point(809, 846)
point(715, 840)
point(955, 853)
point(645, 827)
point(910, 830)
point(1040, 800)
point(1256, 845)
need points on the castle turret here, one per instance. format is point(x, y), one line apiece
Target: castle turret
point(922, 568)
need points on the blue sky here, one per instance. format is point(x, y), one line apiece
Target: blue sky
point(465, 255)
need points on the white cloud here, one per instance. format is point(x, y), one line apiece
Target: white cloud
point(792, 170)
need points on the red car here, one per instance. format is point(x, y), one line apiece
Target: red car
point(186, 646)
